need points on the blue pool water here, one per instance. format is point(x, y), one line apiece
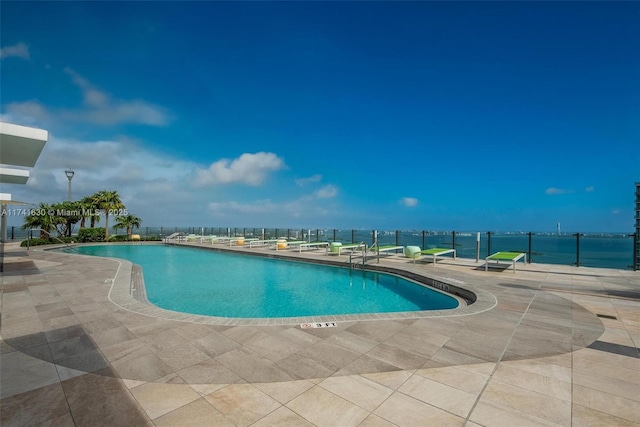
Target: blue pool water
point(233, 285)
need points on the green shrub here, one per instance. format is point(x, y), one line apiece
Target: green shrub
point(37, 241)
point(95, 234)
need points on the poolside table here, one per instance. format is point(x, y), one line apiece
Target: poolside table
point(505, 256)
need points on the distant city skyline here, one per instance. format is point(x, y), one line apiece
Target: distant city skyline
point(468, 116)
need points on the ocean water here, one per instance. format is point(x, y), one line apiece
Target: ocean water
point(590, 251)
point(604, 250)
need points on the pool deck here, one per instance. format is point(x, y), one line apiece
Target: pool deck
point(549, 345)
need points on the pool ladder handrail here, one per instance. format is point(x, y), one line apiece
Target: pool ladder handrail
point(364, 254)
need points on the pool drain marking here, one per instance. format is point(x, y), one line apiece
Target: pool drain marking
point(318, 325)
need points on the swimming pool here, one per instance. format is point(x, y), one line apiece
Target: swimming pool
point(222, 284)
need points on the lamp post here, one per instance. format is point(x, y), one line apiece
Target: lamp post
point(69, 173)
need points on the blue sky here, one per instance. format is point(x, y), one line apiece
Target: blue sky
point(471, 116)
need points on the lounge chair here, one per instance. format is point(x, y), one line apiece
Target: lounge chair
point(256, 243)
point(284, 244)
point(436, 252)
point(513, 257)
point(312, 245)
point(351, 247)
point(385, 248)
point(240, 241)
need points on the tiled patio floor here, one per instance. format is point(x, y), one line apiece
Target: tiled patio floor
point(559, 348)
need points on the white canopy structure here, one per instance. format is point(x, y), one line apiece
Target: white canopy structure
point(19, 146)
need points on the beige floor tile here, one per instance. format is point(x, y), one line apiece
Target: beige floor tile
point(243, 404)
point(479, 368)
point(607, 364)
point(322, 408)
point(132, 383)
point(534, 382)
point(439, 395)
point(607, 385)
point(363, 392)
point(34, 407)
point(375, 421)
point(452, 376)
point(196, 414)
point(562, 373)
point(282, 417)
point(393, 379)
point(205, 389)
point(607, 403)
point(539, 405)
point(160, 399)
point(403, 410)
point(489, 414)
point(283, 392)
point(20, 373)
point(586, 417)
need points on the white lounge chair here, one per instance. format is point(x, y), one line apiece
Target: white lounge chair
point(436, 252)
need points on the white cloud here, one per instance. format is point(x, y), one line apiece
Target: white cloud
point(615, 211)
point(98, 108)
point(151, 184)
point(271, 211)
point(309, 180)
point(553, 191)
point(249, 168)
point(589, 189)
point(27, 113)
point(326, 192)
point(232, 208)
point(103, 110)
point(409, 202)
point(20, 50)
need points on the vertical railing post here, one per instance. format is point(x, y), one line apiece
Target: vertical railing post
point(424, 239)
point(453, 240)
point(334, 234)
point(397, 237)
point(577, 249)
point(12, 227)
point(635, 264)
point(353, 236)
point(488, 243)
point(478, 246)
point(529, 252)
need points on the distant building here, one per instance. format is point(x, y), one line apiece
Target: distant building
point(636, 239)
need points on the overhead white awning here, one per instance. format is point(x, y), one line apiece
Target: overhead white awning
point(21, 145)
point(13, 176)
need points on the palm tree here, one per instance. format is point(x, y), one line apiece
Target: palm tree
point(88, 211)
point(128, 221)
point(44, 218)
point(110, 203)
point(69, 213)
